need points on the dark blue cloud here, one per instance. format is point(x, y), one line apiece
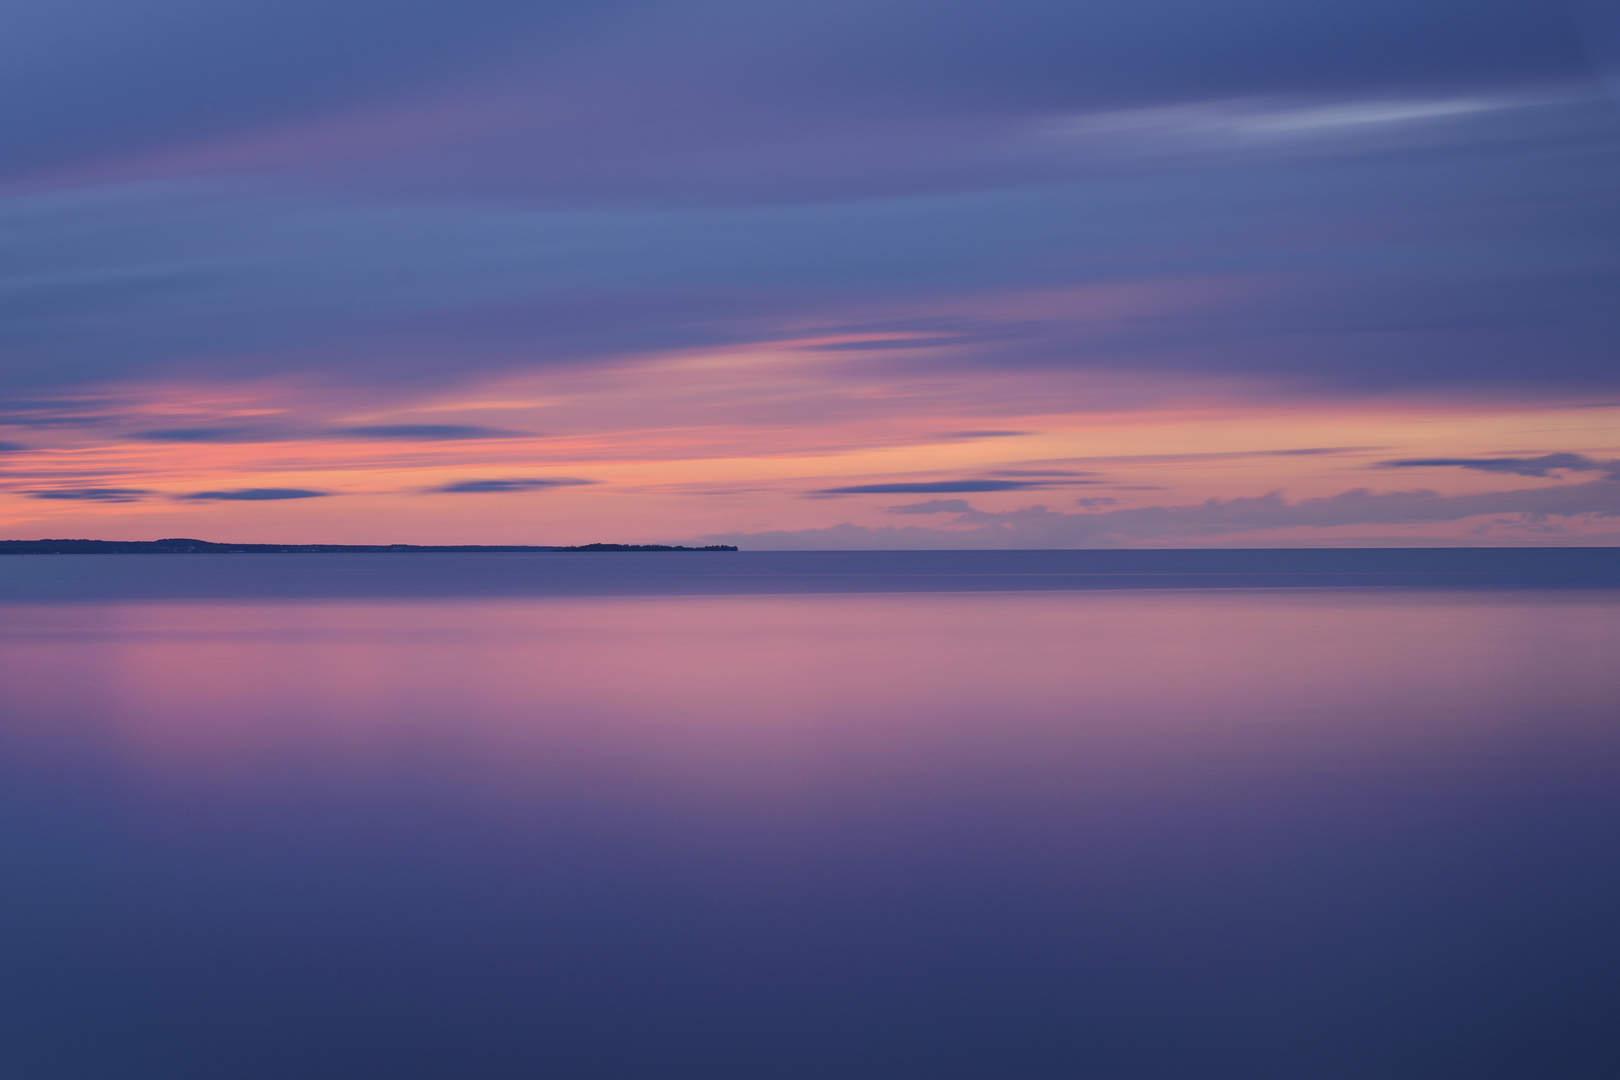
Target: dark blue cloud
point(11, 447)
point(210, 435)
point(91, 494)
point(253, 495)
point(1544, 465)
point(426, 432)
point(488, 487)
point(929, 487)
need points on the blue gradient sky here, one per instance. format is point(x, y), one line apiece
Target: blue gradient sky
point(1167, 273)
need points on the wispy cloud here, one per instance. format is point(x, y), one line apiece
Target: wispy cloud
point(69, 413)
point(982, 434)
point(885, 343)
point(253, 495)
point(213, 435)
point(91, 494)
point(1215, 455)
point(1239, 120)
point(1544, 465)
point(514, 485)
point(427, 432)
point(929, 487)
point(372, 432)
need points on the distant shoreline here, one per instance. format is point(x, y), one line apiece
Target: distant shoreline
point(208, 547)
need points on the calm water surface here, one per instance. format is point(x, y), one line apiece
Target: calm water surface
point(1246, 833)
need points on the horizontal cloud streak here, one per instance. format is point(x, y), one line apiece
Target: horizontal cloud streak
point(1039, 527)
point(496, 487)
point(426, 432)
point(927, 487)
point(212, 435)
point(91, 494)
point(372, 432)
point(1545, 465)
point(253, 495)
point(117, 282)
point(933, 506)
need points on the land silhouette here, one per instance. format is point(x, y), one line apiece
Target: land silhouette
point(183, 546)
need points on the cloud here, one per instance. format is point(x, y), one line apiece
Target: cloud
point(16, 412)
point(884, 343)
point(1101, 501)
point(172, 71)
point(487, 487)
point(982, 434)
point(1310, 451)
point(47, 421)
point(934, 506)
point(11, 447)
point(760, 91)
point(1239, 122)
point(253, 495)
point(242, 280)
point(119, 281)
point(91, 494)
point(212, 435)
point(427, 432)
point(1043, 478)
point(1216, 455)
point(620, 180)
point(1039, 527)
point(929, 487)
point(1545, 465)
point(380, 432)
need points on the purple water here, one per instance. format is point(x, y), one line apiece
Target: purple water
point(1246, 833)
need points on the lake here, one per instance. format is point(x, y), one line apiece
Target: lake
point(1025, 815)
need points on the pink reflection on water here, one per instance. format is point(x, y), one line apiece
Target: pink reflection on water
point(767, 697)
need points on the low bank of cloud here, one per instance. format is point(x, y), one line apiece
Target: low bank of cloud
point(1041, 527)
point(1544, 465)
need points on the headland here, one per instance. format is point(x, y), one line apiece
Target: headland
point(182, 546)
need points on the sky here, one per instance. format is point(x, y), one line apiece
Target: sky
point(795, 274)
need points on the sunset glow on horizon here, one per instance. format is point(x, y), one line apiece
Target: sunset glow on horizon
point(1033, 275)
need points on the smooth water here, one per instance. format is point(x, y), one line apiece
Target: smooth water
point(1302, 834)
